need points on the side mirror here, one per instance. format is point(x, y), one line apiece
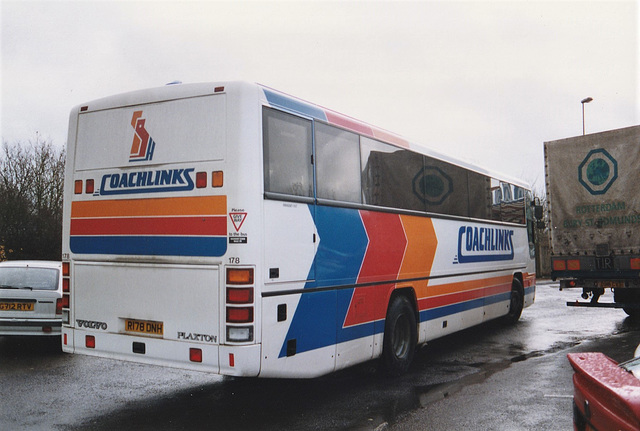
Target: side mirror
point(538, 210)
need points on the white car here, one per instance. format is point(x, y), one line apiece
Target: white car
point(30, 297)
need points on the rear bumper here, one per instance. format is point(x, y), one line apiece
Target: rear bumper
point(30, 327)
point(217, 359)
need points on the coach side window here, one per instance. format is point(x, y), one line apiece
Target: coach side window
point(287, 154)
point(389, 176)
point(338, 164)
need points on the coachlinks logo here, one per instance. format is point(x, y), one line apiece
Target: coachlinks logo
point(598, 171)
point(143, 145)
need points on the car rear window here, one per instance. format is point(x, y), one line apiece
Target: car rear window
point(28, 278)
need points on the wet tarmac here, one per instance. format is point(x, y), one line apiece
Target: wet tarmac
point(459, 380)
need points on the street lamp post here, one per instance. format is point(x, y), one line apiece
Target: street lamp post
point(583, 101)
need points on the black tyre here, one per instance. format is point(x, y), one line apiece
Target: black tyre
point(629, 296)
point(632, 312)
point(517, 303)
point(400, 336)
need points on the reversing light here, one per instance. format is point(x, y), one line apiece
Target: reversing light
point(240, 275)
point(239, 333)
point(195, 355)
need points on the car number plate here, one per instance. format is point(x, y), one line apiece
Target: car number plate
point(16, 306)
point(611, 284)
point(144, 327)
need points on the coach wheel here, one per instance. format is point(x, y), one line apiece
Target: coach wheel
point(400, 336)
point(517, 303)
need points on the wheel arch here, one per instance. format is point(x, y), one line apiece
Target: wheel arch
point(409, 293)
point(520, 277)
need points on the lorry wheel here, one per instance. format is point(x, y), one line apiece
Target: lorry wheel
point(400, 336)
point(517, 303)
point(628, 296)
point(632, 312)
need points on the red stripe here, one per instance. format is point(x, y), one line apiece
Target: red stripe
point(196, 225)
point(454, 298)
point(350, 123)
point(387, 244)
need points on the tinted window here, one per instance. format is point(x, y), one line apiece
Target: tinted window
point(338, 164)
point(389, 176)
point(479, 195)
point(512, 205)
point(445, 188)
point(287, 154)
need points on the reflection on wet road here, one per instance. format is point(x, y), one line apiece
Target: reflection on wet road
point(48, 389)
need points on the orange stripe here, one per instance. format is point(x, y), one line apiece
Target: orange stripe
point(201, 205)
point(445, 289)
point(420, 251)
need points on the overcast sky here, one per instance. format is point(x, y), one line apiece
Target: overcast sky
point(487, 82)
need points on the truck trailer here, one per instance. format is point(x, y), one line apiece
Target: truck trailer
point(593, 203)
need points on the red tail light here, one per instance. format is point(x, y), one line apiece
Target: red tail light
point(195, 355)
point(90, 342)
point(239, 314)
point(240, 310)
point(237, 295)
point(573, 265)
point(65, 301)
point(201, 180)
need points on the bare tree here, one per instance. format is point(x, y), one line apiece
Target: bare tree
point(31, 191)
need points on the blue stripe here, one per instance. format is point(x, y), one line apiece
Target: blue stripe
point(436, 313)
point(497, 298)
point(278, 99)
point(317, 321)
point(149, 245)
point(317, 327)
point(343, 244)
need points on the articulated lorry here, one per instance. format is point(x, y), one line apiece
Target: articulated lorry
point(593, 197)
